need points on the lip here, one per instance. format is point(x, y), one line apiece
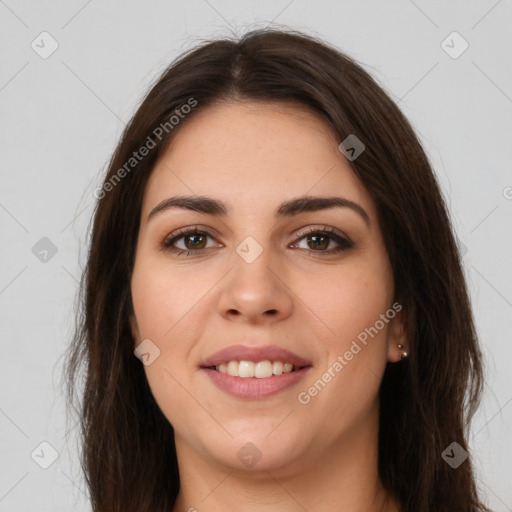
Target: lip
point(255, 354)
point(253, 388)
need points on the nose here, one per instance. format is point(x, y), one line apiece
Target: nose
point(256, 292)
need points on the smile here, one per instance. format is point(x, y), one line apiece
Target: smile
point(252, 387)
point(259, 369)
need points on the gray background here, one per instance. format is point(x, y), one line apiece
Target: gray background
point(62, 116)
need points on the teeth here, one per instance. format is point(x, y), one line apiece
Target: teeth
point(232, 368)
point(263, 369)
point(277, 368)
point(287, 368)
point(260, 370)
point(246, 369)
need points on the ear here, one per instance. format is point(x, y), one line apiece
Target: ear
point(397, 335)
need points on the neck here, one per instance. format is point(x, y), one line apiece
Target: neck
point(343, 478)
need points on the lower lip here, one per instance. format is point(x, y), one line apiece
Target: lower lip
point(252, 388)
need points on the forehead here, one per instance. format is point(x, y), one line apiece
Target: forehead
point(254, 155)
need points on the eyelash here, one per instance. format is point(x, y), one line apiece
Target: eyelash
point(344, 243)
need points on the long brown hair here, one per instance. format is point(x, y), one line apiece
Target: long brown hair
point(426, 400)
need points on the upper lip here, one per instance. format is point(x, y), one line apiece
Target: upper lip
point(255, 354)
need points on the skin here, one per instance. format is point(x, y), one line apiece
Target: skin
point(319, 456)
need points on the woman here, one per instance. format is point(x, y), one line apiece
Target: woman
point(271, 243)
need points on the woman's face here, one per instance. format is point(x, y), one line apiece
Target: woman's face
point(269, 274)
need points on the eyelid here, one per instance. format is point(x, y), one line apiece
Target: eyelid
point(299, 233)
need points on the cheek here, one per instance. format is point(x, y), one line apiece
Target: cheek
point(350, 300)
point(360, 295)
point(347, 298)
point(163, 297)
point(167, 312)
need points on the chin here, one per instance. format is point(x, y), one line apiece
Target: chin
point(255, 451)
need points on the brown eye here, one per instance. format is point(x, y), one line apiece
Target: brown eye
point(187, 240)
point(319, 240)
point(197, 241)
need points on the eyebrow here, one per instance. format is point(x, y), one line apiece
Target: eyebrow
point(295, 206)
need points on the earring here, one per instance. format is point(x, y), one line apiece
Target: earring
point(404, 353)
